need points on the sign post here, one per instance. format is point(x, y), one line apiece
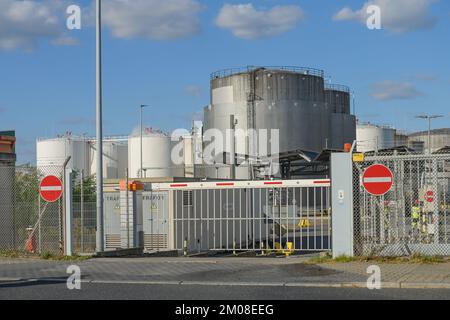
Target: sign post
point(377, 180)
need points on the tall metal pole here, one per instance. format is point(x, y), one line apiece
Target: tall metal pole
point(82, 210)
point(99, 235)
point(429, 118)
point(429, 135)
point(141, 174)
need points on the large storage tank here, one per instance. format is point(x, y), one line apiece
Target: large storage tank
point(51, 154)
point(156, 156)
point(115, 158)
point(289, 99)
point(342, 130)
point(372, 137)
point(440, 138)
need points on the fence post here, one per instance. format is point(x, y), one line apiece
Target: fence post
point(68, 213)
point(82, 210)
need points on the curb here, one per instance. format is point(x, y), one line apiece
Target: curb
point(356, 285)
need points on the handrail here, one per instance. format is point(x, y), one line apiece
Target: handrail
point(232, 71)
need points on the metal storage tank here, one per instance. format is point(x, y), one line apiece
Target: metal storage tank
point(290, 99)
point(156, 156)
point(115, 158)
point(440, 138)
point(372, 137)
point(401, 139)
point(343, 124)
point(51, 154)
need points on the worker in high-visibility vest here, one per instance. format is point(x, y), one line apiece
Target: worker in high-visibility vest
point(415, 216)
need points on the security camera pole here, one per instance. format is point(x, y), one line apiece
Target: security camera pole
point(141, 174)
point(99, 129)
point(429, 118)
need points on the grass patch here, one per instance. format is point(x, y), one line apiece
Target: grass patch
point(9, 254)
point(53, 257)
point(413, 259)
point(17, 254)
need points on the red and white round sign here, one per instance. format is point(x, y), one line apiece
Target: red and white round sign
point(377, 179)
point(51, 189)
point(429, 196)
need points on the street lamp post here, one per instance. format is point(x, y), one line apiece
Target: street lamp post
point(141, 171)
point(99, 129)
point(429, 118)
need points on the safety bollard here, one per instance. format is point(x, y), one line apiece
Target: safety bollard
point(263, 253)
point(234, 248)
point(185, 249)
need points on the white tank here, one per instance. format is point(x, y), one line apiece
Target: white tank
point(374, 137)
point(115, 158)
point(156, 156)
point(51, 154)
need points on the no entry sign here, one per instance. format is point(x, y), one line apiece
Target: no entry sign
point(377, 180)
point(51, 189)
point(429, 196)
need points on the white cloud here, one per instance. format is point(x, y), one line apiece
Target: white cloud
point(392, 90)
point(24, 23)
point(65, 40)
point(193, 90)
point(246, 22)
point(398, 16)
point(152, 19)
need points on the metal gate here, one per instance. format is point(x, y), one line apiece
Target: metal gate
point(414, 216)
point(291, 215)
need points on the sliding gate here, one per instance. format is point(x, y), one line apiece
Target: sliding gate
point(249, 215)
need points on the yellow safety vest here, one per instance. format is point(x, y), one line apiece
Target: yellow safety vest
point(415, 212)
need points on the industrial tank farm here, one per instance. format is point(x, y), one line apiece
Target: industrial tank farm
point(294, 100)
point(156, 156)
point(52, 153)
point(372, 137)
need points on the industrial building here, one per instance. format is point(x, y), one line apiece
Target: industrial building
point(309, 114)
point(372, 138)
point(7, 188)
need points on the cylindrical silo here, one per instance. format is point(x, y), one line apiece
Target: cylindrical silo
point(156, 156)
point(115, 158)
point(52, 153)
point(440, 138)
point(288, 99)
point(342, 130)
point(374, 137)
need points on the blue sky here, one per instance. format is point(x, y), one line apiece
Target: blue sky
point(161, 53)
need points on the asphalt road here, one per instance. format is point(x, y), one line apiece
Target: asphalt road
point(43, 290)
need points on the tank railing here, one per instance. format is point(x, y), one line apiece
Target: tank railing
point(337, 87)
point(231, 71)
point(117, 138)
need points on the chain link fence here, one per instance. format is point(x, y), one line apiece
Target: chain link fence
point(30, 224)
point(413, 217)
